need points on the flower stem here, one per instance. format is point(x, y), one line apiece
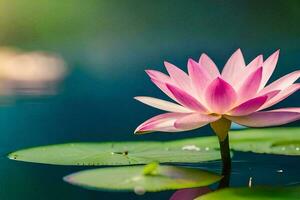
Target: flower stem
point(226, 161)
point(221, 128)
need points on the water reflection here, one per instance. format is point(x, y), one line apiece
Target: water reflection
point(256, 170)
point(29, 73)
point(190, 193)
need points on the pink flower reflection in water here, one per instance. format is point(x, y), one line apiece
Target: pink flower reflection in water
point(190, 193)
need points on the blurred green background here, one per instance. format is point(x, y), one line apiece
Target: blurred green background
point(108, 44)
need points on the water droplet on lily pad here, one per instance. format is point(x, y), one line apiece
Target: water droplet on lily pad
point(191, 148)
point(139, 190)
point(289, 146)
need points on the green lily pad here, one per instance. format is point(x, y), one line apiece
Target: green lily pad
point(117, 153)
point(150, 178)
point(255, 193)
point(281, 140)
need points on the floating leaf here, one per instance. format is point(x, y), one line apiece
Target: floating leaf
point(255, 193)
point(281, 140)
point(133, 178)
point(118, 153)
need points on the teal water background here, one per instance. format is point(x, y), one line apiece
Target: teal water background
point(108, 45)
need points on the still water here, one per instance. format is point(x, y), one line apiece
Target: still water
point(108, 45)
point(93, 108)
point(33, 181)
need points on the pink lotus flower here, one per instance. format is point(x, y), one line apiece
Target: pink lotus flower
point(205, 95)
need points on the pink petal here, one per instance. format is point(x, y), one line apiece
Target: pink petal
point(162, 104)
point(159, 76)
point(195, 120)
point(164, 122)
point(180, 78)
point(199, 76)
point(249, 106)
point(190, 193)
point(162, 86)
point(233, 67)
point(209, 65)
point(220, 96)
point(281, 95)
point(282, 83)
point(249, 69)
point(269, 67)
point(185, 99)
point(292, 109)
point(250, 86)
point(267, 118)
point(159, 79)
point(271, 94)
point(254, 64)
